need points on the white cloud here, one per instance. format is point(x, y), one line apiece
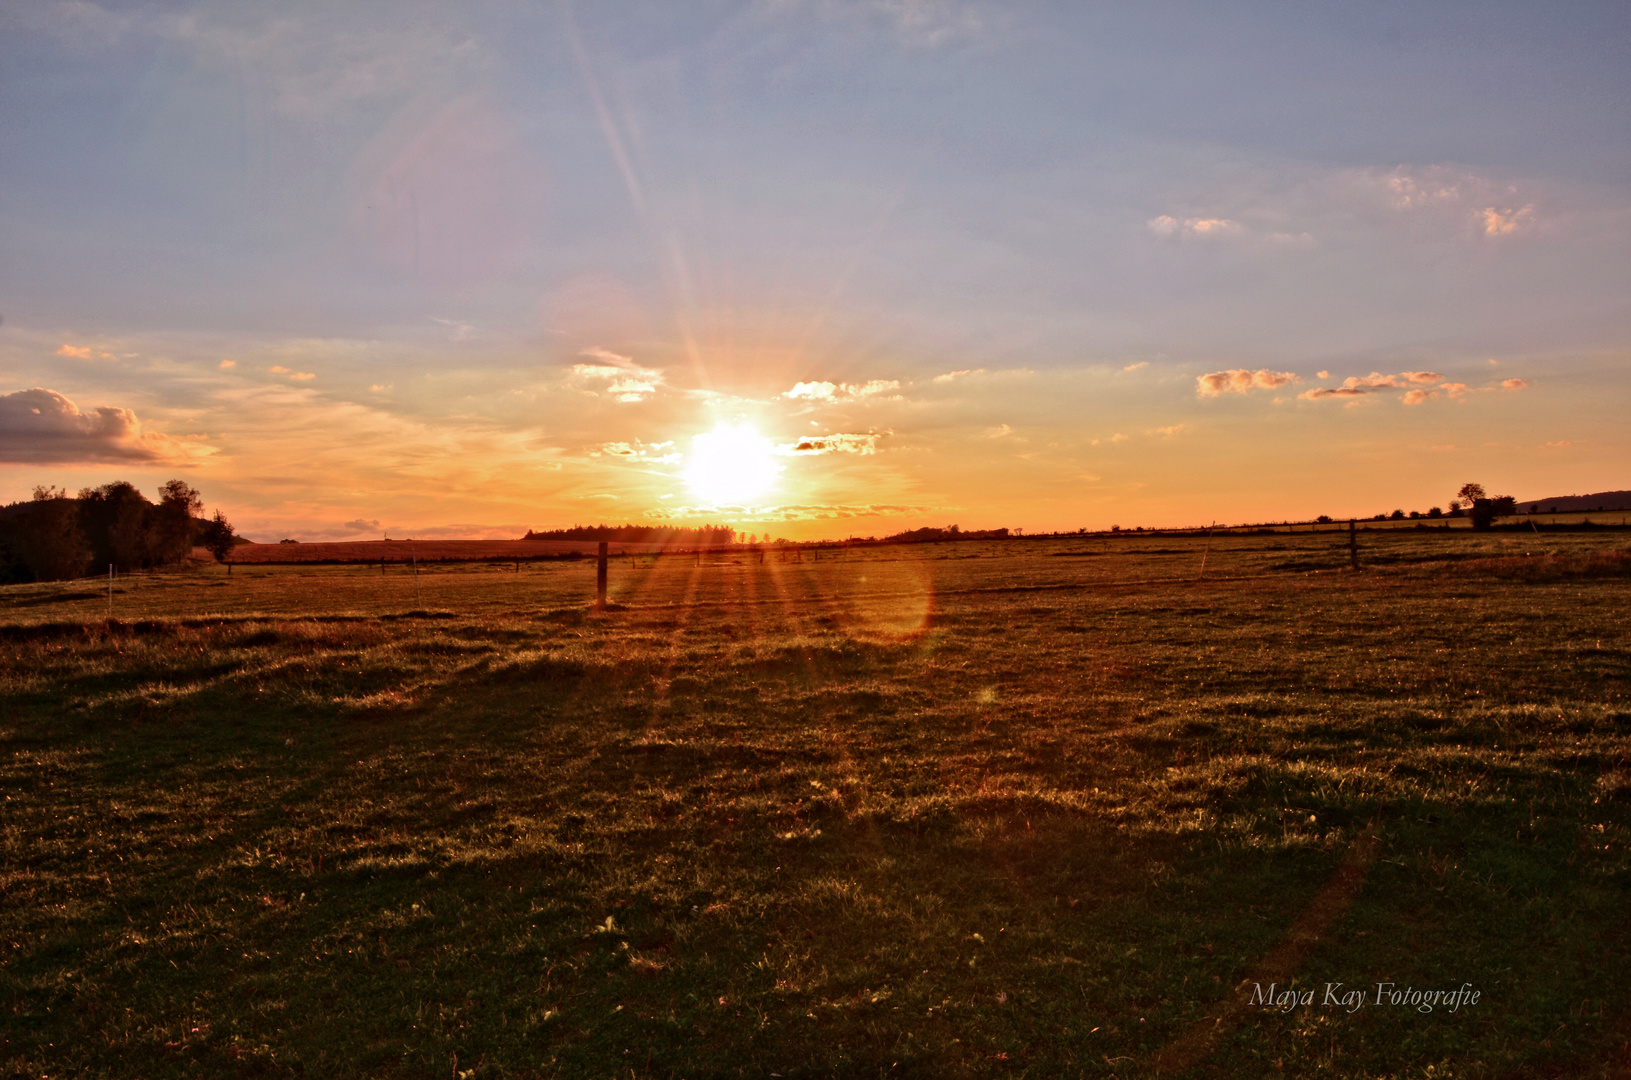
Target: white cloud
point(625, 380)
point(951, 376)
point(826, 391)
point(1139, 366)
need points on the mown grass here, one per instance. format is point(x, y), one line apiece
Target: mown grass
point(959, 810)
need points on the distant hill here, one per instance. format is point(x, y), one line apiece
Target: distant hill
point(1603, 500)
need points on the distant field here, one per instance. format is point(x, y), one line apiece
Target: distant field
point(1010, 808)
point(409, 551)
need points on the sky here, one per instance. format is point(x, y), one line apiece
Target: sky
point(813, 268)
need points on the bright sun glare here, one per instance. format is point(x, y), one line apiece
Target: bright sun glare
point(731, 465)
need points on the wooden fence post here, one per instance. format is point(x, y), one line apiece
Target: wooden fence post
point(1353, 545)
point(600, 578)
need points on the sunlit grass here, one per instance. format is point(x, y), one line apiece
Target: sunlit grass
point(897, 812)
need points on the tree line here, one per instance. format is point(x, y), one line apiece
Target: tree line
point(639, 534)
point(55, 536)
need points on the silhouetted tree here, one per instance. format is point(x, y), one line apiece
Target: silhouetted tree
point(47, 537)
point(1469, 494)
point(170, 530)
point(216, 536)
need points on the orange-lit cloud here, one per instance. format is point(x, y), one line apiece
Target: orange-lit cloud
point(1359, 385)
point(1171, 430)
point(1240, 380)
point(84, 352)
point(41, 426)
point(1167, 225)
point(1506, 222)
point(950, 376)
point(291, 374)
point(654, 453)
point(837, 443)
point(1514, 384)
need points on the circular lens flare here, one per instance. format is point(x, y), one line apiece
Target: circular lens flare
point(731, 465)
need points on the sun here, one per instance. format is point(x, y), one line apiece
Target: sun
point(731, 465)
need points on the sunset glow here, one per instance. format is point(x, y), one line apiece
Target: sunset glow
point(731, 465)
point(473, 270)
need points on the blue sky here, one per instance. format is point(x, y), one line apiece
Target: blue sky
point(464, 268)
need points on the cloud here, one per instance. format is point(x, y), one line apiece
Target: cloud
point(650, 453)
point(826, 391)
point(1359, 385)
point(1411, 189)
point(292, 375)
point(1454, 389)
point(1240, 380)
point(836, 443)
point(812, 391)
point(1213, 228)
point(1170, 431)
point(84, 352)
point(795, 512)
point(362, 525)
point(1457, 194)
point(954, 375)
point(228, 365)
point(1137, 366)
point(41, 426)
point(1416, 397)
point(625, 380)
point(1514, 384)
point(1506, 222)
point(1002, 431)
point(1322, 375)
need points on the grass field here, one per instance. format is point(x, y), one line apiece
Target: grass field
point(1019, 808)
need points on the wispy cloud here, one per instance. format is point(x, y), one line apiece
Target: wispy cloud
point(291, 374)
point(84, 352)
point(661, 453)
point(1211, 227)
point(1137, 366)
point(1240, 380)
point(625, 380)
point(1506, 222)
point(1170, 430)
point(952, 376)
